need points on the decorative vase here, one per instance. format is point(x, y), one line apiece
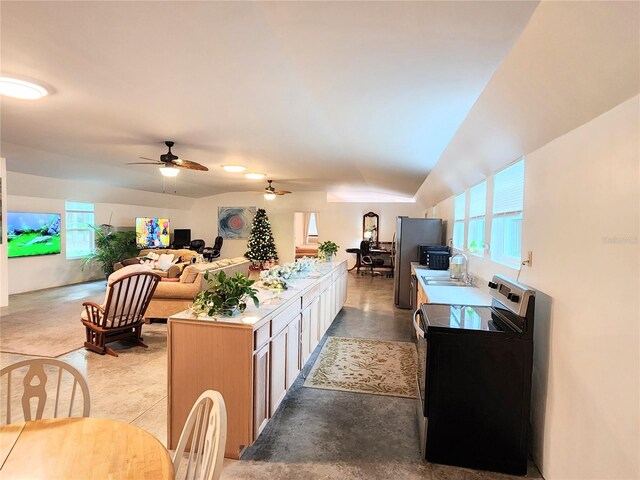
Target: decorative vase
point(328, 258)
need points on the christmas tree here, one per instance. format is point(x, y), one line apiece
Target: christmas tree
point(261, 246)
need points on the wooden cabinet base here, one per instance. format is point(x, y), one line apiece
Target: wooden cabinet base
point(251, 365)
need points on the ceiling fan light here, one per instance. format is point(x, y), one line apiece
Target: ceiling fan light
point(269, 196)
point(255, 176)
point(12, 87)
point(234, 168)
point(169, 171)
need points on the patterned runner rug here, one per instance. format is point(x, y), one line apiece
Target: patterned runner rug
point(365, 366)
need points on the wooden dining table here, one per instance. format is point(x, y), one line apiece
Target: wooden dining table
point(81, 448)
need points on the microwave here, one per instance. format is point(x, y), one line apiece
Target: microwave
point(435, 257)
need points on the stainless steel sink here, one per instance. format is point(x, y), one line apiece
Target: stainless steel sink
point(444, 282)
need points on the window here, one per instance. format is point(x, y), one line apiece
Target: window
point(506, 224)
point(313, 226)
point(79, 228)
point(477, 210)
point(458, 220)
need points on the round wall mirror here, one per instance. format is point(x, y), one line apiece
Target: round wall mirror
point(370, 227)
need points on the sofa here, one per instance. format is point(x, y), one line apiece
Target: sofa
point(183, 255)
point(174, 295)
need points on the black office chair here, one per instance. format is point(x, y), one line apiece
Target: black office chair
point(210, 253)
point(368, 260)
point(197, 245)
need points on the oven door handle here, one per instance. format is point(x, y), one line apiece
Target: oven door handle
point(419, 331)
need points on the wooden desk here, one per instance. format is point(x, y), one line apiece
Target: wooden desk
point(81, 448)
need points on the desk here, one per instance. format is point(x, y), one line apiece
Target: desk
point(81, 448)
point(374, 252)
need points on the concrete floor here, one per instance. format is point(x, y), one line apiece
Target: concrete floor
point(315, 434)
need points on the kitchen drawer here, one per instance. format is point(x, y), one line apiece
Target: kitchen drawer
point(282, 319)
point(325, 283)
point(308, 297)
point(261, 336)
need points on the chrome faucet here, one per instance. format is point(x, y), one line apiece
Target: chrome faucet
point(466, 278)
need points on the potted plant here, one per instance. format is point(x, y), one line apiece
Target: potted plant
point(327, 250)
point(111, 248)
point(226, 296)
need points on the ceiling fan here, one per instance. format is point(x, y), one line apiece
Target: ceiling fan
point(169, 163)
point(270, 192)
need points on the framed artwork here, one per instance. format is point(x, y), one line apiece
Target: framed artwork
point(235, 222)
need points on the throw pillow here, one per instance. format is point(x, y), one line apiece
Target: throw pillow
point(130, 261)
point(189, 275)
point(169, 279)
point(164, 261)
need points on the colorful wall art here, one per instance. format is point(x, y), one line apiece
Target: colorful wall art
point(235, 222)
point(33, 234)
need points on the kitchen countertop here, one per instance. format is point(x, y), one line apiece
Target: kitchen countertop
point(450, 295)
point(271, 302)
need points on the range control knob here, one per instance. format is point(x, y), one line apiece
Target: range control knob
point(493, 285)
point(513, 297)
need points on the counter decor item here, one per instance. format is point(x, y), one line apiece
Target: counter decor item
point(276, 278)
point(227, 296)
point(327, 250)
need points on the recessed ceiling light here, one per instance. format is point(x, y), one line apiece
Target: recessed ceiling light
point(13, 87)
point(169, 171)
point(255, 176)
point(234, 168)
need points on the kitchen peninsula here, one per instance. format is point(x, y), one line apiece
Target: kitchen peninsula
point(253, 358)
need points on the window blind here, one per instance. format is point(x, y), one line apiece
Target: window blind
point(459, 206)
point(478, 200)
point(78, 224)
point(508, 189)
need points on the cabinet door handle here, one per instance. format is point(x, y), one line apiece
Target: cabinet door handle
point(419, 331)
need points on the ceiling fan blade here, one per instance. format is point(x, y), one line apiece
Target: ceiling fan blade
point(144, 163)
point(150, 159)
point(188, 164)
point(281, 192)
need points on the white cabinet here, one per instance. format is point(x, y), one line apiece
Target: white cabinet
point(305, 334)
point(310, 333)
point(260, 390)
point(278, 370)
point(293, 351)
point(314, 327)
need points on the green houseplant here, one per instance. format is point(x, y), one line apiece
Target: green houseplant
point(226, 296)
point(111, 248)
point(328, 249)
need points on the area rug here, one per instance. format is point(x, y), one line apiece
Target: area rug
point(365, 366)
point(47, 323)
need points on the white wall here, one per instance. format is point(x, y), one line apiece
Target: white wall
point(4, 271)
point(34, 273)
point(298, 229)
point(339, 222)
point(582, 223)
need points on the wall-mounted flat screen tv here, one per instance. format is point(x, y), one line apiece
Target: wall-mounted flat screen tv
point(30, 233)
point(152, 232)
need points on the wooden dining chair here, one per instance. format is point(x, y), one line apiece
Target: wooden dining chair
point(33, 377)
point(122, 315)
point(206, 432)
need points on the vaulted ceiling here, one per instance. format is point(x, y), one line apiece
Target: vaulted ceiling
point(318, 95)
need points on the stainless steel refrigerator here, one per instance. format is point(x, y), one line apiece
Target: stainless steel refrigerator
point(411, 232)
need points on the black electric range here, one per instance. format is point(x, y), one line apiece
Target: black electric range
point(474, 379)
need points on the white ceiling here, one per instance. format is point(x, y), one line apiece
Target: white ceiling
point(362, 96)
point(573, 62)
